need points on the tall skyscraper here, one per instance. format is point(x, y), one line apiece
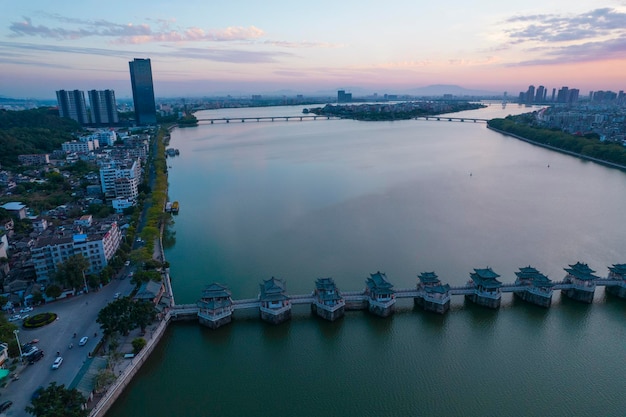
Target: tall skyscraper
point(103, 107)
point(72, 105)
point(143, 91)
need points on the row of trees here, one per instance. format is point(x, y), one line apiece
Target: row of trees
point(586, 145)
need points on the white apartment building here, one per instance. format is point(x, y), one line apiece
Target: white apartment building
point(80, 146)
point(97, 245)
point(110, 173)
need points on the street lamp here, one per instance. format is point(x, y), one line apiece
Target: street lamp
point(19, 345)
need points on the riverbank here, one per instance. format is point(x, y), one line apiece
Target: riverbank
point(554, 148)
point(128, 368)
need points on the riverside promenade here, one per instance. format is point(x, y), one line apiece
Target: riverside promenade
point(127, 369)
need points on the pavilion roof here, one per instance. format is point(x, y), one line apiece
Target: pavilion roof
point(378, 283)
point(581, 271)
point(216, 290)
point(486, 278)
point(537, 278)
point(428, 278)
point(325, 284)
point(618, 269)
point(273, 289)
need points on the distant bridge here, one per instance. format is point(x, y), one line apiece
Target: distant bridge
point(213, 120)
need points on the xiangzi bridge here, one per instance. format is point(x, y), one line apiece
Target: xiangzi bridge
point(216, 306)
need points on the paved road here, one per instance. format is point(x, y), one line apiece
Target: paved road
point(75, 315)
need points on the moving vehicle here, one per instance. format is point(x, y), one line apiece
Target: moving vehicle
point(116, 295)
point(83, 341)
point(26, 310)
point(57, 362)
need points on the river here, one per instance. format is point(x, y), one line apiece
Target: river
point(341, 198)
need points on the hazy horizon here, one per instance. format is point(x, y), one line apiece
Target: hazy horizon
point(200, 48)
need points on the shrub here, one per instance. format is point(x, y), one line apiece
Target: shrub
point(39, 320)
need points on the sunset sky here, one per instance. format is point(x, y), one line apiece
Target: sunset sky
point(211, 47)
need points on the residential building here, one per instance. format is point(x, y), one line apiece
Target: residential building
point(116, 170)
point(34, 159)
point(16, 208)
point(72, 105)
point(103, 107)
point(76, 146)
point(97, 245)
point(143, 91)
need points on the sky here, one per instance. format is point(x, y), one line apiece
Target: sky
point(213, 47)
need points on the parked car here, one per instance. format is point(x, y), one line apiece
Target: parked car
point(5, 405)
point(83, 341)
point(127, 263)
point(35, 356)
point(116, 295)
point(57, 362)
point(29, 351)
point(15, 317)
point(26, 310)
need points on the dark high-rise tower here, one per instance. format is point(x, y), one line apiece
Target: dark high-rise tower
point(103, 107)
point(72, 105)
point(143, 91)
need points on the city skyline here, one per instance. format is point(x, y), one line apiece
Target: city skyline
point(256, 48)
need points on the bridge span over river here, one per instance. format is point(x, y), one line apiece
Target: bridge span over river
point(305, 117)
point(216, 306)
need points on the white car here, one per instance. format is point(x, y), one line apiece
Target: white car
point(83, 341)
point(26, 310)
point(15, 317)
point(57, 362)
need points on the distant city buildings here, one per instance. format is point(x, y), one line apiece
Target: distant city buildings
point(103, 107)
point(565, 95)
point(143, 91)
point(72, 105)
point(343, 97)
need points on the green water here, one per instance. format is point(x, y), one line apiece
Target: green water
point(302, 200)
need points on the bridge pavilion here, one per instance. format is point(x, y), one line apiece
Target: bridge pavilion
point(328, 304)
point(538, 286)
point(381, 297)
point(432, 294)
point(215, 308)
point(275, 305)
point(617, 272)
point(486, 288)
point(582, 281)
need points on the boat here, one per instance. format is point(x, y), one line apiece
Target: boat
point(168, 207)
point(175, 207)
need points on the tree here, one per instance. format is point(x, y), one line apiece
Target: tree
point(123, 315)
point(53, 291)
point(115, 317)
point(72, 272)
point(104, 378)
point(56, 400)
point(93, 280)
point(138, 344)
point(142, 314)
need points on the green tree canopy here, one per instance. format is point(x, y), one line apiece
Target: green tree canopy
point(71, 273)
point(123, 315)
point(58, 401)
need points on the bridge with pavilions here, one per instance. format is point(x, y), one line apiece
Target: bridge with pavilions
point(216, 307)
